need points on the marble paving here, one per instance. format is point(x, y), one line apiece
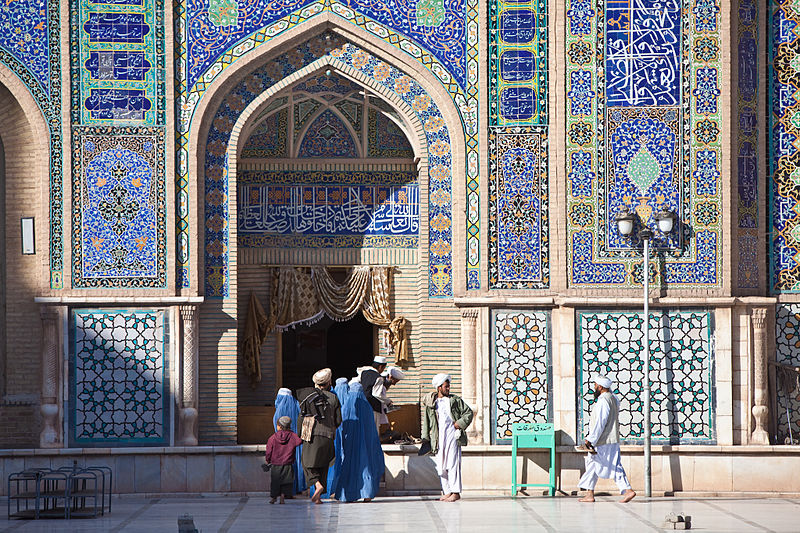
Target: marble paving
point(473, 513)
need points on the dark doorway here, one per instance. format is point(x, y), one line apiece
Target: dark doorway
point(340, 346)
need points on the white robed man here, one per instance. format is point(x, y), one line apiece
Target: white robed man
point(444, 425)
point(602, 443)
point(375, 381)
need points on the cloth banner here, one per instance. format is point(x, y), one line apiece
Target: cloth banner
point(255, 331)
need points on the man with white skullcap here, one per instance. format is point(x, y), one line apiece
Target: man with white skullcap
point(444, 425)
point(602, 443)
point(375, 381)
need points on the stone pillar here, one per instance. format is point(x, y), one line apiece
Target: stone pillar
point(187, 416)
point(469, 373)
point(51, 435)
point(760, 387)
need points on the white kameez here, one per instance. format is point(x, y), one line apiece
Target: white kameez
point(448, 457)
point(606, 463)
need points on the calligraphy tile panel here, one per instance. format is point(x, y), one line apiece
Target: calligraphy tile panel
point(787, 352)
point(118, 386)
point(681, 372)
point(405, 89)
point(784, 159)
point(518, 63)
point(519, 241)
point(341, 209)
point(119, 207)
point(747, 146)
point(521, 375)
point(643, 134)
point(118, 57)
point(438, 26)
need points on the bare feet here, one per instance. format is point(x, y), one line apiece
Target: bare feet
point(589, 498)
point(318, 489)
point(445, 496)
point(272, 500)
point(281, 501)
point(454, 497)
point(628, 496)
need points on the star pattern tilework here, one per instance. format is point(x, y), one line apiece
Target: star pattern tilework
point(681, 372)
point(787, 352)
point(118, 378)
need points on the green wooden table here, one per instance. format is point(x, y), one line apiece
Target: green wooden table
point(525, 435)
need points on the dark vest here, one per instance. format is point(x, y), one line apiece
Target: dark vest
point(368, 379)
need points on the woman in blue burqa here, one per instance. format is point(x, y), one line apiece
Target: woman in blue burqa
point(287, 405)
point(341, 390)
point(362, 456)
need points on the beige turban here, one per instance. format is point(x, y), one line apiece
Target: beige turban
point(439, 379)
point(322, 377)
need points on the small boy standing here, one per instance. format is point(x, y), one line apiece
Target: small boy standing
point(280, 454)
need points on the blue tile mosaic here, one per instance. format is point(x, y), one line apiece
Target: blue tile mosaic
point(24, 35)
point(119, 378)
point(327, 137)
point(681, 372)
point(787, 352)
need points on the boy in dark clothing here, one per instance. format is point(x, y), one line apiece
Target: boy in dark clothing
point(280, 454)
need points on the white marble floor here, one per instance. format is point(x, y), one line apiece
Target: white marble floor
point(422, 514)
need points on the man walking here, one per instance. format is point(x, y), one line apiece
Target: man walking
point(444, 425)
point(602, 443)
point(321, 414)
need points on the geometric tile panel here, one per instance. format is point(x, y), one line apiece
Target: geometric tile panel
point(521, 384)
point(119, 212)
point(787, 347)
point(518, 203)
point(119, 69)
point(784, 139)
point(23, 34)
point(747, 145)
point(681, 372)
point(119, 392)
point(402, 86)
point(643, 133)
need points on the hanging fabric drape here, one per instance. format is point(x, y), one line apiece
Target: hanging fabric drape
point(255, 331)
point(301, 296)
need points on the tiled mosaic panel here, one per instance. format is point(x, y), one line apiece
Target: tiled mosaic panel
point(328, 209)
point(521, 369)
point(119, 207)
point(518, 63)
point(404, 87)
point(435, 25)
point(747, 146)
point(787, 352)
point(681, 372)
point(465, 97)
point(385, 138)
point(119, 394)
point(269, 138)
point(643, 132)
point(118, 57)
point(784, 160)
point(30, 46)
point(518, 219)
point(328, 137)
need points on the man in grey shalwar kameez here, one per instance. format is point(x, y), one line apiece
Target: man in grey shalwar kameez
point(602, 442)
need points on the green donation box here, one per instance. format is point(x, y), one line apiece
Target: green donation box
point(527, 436)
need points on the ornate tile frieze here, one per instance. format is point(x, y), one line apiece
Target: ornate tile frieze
point(521, 370)
point(682, 387)
point(787, 352)
point(119, 207)
point(118, 379)
point(643, 134)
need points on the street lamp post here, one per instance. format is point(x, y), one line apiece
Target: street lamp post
point(625, 223)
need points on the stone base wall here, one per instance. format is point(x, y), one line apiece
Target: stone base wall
point(221, 469)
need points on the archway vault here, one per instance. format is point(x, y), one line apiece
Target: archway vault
point(439, 132)
point(457, 111)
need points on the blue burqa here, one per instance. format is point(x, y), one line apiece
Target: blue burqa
point(287, 405)
point(362, 456)
point(341, 390)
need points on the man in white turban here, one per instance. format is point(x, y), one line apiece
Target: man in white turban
point(375, 381)
point(444, 424)
point(602, 443)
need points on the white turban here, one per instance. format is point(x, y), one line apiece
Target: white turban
point(322, 377)
point(394, 372)
point(439, 379)
point(379, 359)
point(603, 381)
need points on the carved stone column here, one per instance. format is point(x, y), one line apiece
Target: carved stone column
point(469, 372)
point(187, 416)
point(51, 435)
point(760, 387)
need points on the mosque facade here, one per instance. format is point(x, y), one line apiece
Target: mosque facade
point(169, 164)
